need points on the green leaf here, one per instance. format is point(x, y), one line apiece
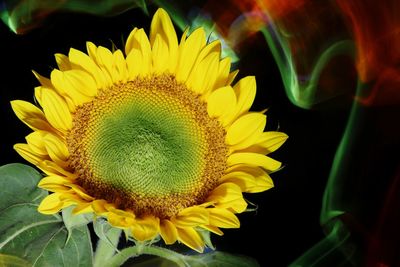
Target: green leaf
point(18, 183)
point(12, 261)
point(76, 252)
point(39, 239)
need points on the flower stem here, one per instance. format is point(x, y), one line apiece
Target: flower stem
point(105, 250)
point(138, 250)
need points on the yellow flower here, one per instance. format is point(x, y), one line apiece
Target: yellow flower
point(155, 139)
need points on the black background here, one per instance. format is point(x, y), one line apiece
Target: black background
point(286, 223)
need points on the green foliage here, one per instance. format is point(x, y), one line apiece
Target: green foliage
point(40, 240)
point(12, 261)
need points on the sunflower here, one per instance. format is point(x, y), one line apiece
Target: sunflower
point(155, 139)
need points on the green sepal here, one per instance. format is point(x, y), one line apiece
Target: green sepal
point(72, 221)
point(104, 230)
point(206, 235)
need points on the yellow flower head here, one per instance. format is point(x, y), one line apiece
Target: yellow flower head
point(154, 139)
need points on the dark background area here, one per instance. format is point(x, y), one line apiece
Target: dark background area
point(286, 223)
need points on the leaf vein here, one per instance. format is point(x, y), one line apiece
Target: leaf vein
point(23, 229)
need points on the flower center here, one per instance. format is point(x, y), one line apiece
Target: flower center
point(147, 145)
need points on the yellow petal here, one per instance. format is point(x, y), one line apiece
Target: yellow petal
point(250, 179)
point(62, 62)
point(139, 59)
point(79, 191)
point(55, 183)
point(51, 168)
point(162, 25)
point(221, 103)
point(54, 179)
point(211, 48)
point(51, 204)
point(43, 80)
point(243, 179)
point(38, 94)
point(261, 178)
point(56, 110)
point(140, 42)
point(202, 78)
point(122, 213)
point(120, 66)
point(213, 229)
point(30, 115)
point(245, 90)
point(189, 50)
point(55, 188)
point(272, 140)
point(105, 61)
point(211, 74)
point(191, 238)
point(168, 232)
point(130, 41)
point(104, 58)
point(223, 72)
point(26, 152)
point(253, 159)
point(268, 142)
point(192, 216)
point(122, 220)
point(133, 61)
point(71, 97)
point(56, 149)
point(145, 228)
point(80, 60)
point(263, 182)
point(254, 171)
point(36, 143)
point(246, 130)
point(99, 206)
point(206, 65)
point(72, 198)
point(91, 49)
point(223, 218)
point(228, 195)
point(163, 40)
point(160, 55)
point(75, 85)
point(82, 208)
point(231, 77)
point(81, 82)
